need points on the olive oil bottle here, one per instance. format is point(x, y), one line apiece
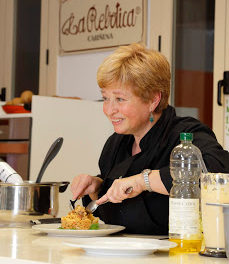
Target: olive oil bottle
point(184, 200)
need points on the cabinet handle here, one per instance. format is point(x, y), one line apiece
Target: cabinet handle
point(159, 43)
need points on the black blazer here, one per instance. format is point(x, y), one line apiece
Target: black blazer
point(148, 212)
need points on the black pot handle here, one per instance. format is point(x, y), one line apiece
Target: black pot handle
point(63, 186)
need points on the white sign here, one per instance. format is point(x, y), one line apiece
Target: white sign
point(98, 24)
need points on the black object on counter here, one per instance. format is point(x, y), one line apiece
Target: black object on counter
point(46, 221)
point(3, 94)
point(28, 107)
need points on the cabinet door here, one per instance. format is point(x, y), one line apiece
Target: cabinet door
point(221, 64)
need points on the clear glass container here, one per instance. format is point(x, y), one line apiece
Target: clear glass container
point(214, 189)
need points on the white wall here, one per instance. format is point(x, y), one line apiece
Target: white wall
point(77, 75)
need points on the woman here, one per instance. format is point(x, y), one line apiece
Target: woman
point(135, 85)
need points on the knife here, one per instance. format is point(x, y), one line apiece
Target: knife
point(46, 221)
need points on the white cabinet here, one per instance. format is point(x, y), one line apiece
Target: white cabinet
point(84, 128)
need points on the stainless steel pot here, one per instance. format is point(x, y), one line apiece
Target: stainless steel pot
point(29, 200)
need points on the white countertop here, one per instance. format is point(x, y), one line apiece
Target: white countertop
point(28, 245)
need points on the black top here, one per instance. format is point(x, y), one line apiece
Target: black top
point(148, 212)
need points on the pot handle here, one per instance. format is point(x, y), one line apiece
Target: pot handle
point(63, 186)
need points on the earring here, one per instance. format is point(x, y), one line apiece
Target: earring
point(151, 119)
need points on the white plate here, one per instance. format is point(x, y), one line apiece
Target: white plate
point(121, 246)
point(103, 230)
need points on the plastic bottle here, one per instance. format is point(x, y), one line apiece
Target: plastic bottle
point(8, 174)
point(184, 200)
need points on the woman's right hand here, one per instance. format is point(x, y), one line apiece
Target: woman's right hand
point(84, 184)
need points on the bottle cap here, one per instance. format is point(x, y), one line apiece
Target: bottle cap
point(186, 136)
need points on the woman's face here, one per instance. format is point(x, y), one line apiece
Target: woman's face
point(127, 112)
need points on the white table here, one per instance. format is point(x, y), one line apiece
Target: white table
point(27, 244)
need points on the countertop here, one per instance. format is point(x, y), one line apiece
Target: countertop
point(24, 243)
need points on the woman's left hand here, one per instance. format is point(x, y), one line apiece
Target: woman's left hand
point(117, 192)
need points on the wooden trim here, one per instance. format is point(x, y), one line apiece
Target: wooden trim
point(14, 148)
point(161, 26)
point(53, 46)
point(227, 38)
point(219, 66)
point(2, 42)
point(43, 47)
point(49, 41)
point(6, 46)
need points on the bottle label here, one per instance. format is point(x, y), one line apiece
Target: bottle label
point(8, 174)
point(184, 216)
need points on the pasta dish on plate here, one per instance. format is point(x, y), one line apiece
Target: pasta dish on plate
point(79, 219)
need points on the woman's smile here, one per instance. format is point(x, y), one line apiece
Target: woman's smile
point(127, 112)
point(116, 121)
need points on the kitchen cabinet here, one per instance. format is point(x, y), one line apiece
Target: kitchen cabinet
point(15, 135)
point(84, 128)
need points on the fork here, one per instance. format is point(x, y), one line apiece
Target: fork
point(92, 206)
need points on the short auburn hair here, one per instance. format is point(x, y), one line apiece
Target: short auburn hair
point(147, 70)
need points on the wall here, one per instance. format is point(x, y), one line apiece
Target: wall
point(77, 75)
